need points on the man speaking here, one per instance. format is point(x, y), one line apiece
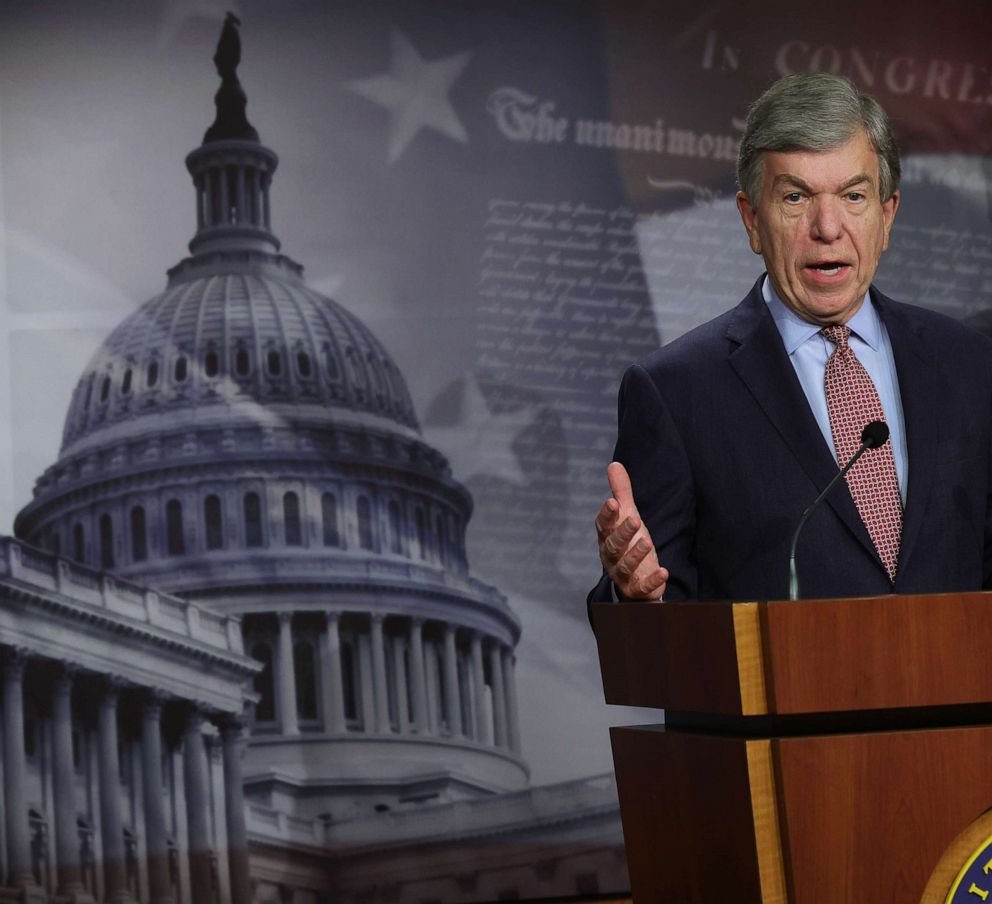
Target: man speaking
point(728, 433)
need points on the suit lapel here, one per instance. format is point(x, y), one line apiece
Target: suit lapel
point(761, 362)
point(919, 393)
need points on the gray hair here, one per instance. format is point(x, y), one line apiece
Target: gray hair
point(814, 111)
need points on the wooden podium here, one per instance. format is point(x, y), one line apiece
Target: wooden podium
point(814, 752)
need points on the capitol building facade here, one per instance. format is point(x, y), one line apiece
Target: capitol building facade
point(244, 655)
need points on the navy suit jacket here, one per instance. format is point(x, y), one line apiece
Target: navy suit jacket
point(724, 455)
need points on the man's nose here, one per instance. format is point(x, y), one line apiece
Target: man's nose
point(827, 219)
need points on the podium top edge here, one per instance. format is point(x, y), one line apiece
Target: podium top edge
point(969, 595)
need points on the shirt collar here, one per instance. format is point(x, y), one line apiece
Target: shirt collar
point(795, 331)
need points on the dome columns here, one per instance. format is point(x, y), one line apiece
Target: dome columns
point(232, 740)
point(402, 676)
point(499, 695)
point(113, 732)
point(379, 676)
point(333, 697)
point(286, 678)
point(19, 874)
point(159, 883)
point(478, 686)
point(70, 882)
point(417, 676)
point(111, 820)
point(197, 806)
point(232, 180)
point(510, 693)
point(452, 695)
point(398, 645)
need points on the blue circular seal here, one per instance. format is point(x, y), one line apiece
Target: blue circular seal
point(974, 883)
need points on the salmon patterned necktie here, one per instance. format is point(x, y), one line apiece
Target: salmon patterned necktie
point(853, 403)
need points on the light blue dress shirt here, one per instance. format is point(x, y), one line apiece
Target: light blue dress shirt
point(808, 351)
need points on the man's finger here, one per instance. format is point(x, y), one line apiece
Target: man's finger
point(629, 562)
point(615, 545)
point(606, 518)
point(654, 581)
point(650, 586)
point(617, 541)
point(619, 480)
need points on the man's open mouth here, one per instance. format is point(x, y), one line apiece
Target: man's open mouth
point(828, 268)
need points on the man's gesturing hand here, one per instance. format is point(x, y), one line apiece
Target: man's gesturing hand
point(625, 546)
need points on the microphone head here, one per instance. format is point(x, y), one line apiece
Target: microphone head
point(875, 434)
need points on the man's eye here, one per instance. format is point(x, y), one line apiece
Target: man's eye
point(855, 196)
point(793, 197)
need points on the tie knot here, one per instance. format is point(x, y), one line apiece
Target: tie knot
point(837, 333)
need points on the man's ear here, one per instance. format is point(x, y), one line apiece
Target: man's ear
point(749, 215)
point(889, 209)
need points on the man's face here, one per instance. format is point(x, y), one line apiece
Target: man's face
point(821, 227)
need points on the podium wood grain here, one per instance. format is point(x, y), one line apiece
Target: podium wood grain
point(817, 752)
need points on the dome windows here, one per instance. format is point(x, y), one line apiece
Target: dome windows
point(331, 364)
point(253, 520)
point(365, 538)
point(242, 361)
point(420, 524)
point(291, 519)
point(106, 542)
point(139, 539)
point(264, 516)
point(211, 363)
point(175, 542)
point(181, 369)
point(303, 366)
point(79, 543)
point(329, 518)
point(235, 192)
point(246, 326)
point(441, 539)
point(213, 522)
point(395, 528)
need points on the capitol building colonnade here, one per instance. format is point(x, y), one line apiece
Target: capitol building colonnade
point(349, 671)
point(122, 737)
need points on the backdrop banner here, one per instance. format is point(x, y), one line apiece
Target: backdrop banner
point(514, 201)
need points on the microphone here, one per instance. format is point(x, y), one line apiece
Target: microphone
point(873, 436)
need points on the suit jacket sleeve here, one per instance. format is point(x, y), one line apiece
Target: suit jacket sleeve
point(650, 447)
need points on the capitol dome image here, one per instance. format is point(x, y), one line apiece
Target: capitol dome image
point(244, 452)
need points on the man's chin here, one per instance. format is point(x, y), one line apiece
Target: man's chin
point(828, 307)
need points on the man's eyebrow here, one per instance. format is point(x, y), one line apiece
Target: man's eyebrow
point(857, 180)
point(790, 179)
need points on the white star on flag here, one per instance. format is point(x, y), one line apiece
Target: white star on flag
point(415, 91)
point(480, 444)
